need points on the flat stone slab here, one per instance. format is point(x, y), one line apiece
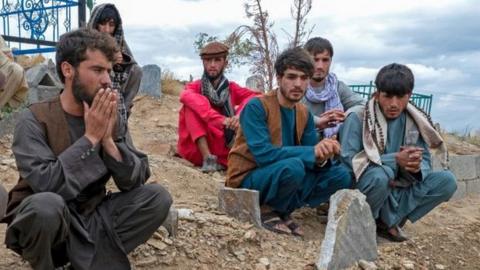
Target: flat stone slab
point(242, 204)
point(151, 81)
point(350, 235)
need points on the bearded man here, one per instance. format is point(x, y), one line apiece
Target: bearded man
point(208, 118)
point(277, 152)
point(327, 97)
point(60, 213)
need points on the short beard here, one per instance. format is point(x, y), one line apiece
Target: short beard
point(79, 91)
point(284, 94)
point(213, 78)
point(318, 79)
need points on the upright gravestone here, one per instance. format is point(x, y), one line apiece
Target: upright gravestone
point(43, 83)
point(351, 232)
point(242, 204)
point(256, 83)
point(151, 81)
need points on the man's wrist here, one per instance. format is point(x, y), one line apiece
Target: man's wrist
point(92, 139)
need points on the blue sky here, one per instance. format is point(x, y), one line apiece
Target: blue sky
point(438, 39)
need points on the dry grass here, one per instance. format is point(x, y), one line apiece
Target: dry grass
point(170, 84)
point(462, 144)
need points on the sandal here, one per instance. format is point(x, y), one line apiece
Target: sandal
point(272, 222)
point(293, 226)
point(399, 236)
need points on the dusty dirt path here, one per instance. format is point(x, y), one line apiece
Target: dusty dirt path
point(448, 238)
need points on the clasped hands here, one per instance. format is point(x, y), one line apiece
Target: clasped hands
point(101, 116)
point(326, 149)
point(410, 158)
point(329, 119)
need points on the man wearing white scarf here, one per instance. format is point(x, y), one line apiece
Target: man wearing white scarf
point(392, 167)
point(327, 98)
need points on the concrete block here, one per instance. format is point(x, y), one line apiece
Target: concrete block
point(242, 204)
point(473, 186)
point(350, 235)
point(464, 167)
point(151, 81)
point(461, 190)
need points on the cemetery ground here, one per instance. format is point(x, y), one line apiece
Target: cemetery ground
point(447, 238)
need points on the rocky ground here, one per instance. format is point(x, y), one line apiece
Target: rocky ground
point(448, 238)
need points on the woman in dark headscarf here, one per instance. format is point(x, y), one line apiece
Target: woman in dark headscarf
point(126, 75)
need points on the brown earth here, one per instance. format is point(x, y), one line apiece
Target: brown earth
point(447, 238)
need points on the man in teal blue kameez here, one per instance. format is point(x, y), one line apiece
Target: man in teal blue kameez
point(386, 146)
point(276, 150)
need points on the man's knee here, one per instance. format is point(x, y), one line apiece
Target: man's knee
point(161, 199)
point(47, 206)
point(343, 178)
point(375, 181)
point(293, 172)
point(448, 184)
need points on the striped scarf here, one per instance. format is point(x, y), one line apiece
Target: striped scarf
point(330, 96)
point(219, 97)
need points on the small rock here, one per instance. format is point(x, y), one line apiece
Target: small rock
point(185, 213)
point(439, 266)
point(168, 241)
point(148, 261)
point(264, 261)
point(157, 244)
point(409, 265)
point(260, 266)
point(366, 265)
point(250, 235)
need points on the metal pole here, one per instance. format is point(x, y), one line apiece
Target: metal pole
point(82, 13)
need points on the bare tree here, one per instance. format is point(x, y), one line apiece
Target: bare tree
point(263, 42)
point(299, 12)
point(256, 44)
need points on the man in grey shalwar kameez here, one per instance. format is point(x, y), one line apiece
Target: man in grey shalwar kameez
point(60, 213)
point(327, 98)
point(386, 146)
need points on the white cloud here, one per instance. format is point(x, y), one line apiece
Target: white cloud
point(438, 39)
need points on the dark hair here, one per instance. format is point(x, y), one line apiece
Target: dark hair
point(109, 12)
point(72, 47)
point(296, 58)
point(395, 79)
point(318, 45)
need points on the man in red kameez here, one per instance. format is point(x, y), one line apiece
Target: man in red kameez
point(208, 118)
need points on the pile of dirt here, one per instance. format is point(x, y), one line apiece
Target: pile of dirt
point(447, 238)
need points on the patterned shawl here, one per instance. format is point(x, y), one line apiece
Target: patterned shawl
point(374, 134)
point(331, 98)
point(219, 97)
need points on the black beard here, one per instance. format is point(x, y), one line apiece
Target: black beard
point(79, 92)
point(317, 79)
point(213, 78)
